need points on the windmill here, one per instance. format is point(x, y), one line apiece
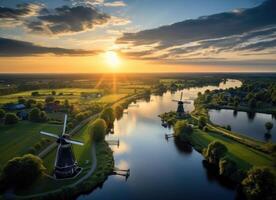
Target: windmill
point(180, 108)
point(65, 163)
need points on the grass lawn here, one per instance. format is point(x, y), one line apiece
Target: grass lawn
point(111, 98)
point(15, 140)
point(244, 156)
point(72, 94)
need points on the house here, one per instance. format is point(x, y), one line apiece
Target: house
point(52, 107)
point(13, 107)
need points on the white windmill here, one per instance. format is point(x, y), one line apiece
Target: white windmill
point(65, 163)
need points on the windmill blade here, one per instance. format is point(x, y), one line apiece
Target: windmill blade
point(187, 102)
point(74, 142)
point(175, 100)
point(49, 134)
point(181, 96)
point(64, 125)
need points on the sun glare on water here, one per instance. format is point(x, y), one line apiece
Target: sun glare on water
point(112, 59)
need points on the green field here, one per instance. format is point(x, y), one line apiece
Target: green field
point(244, 156)
point(17, 139)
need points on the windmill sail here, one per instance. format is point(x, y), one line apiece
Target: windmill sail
point(65, 163)
point(49, 134)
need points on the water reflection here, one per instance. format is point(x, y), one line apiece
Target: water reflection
point(159, 169)
point(183, 147)
point(247, 123)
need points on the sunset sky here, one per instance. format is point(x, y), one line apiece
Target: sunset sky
point(91, 36)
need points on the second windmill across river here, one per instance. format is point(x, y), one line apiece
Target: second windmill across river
point(180, 112)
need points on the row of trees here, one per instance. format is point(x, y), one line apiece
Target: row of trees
point(8, 118)
point(99, 128)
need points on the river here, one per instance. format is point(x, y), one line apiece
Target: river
point(159, 169)
point(249, 124)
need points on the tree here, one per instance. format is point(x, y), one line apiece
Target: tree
point(2, 114)
point(21, 100)
point(39, 105)
point(49, 99)
point(34, 115)
point(227, 167)
point(182, 127)
point(35, 94)
point(22, 171)
point(201, 122)
point(109, 116)
point(252, 103)
point(215, 152)
point(268, 126)
point(259, 184)
point(54, 93)
point(118, 111)
point(98, 129)
point(11, 118)
point(37, 115)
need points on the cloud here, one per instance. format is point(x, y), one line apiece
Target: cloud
point(17, 48)
point(221, 35)
point(68, 20)
point(36, 18)
point(10, 17)
point(98, 3)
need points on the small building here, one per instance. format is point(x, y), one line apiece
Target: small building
point(13, 107)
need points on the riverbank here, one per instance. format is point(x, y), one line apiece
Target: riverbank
point(45, 187)
point(266, 110)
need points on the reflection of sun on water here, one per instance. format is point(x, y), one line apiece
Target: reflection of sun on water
point(112, 59)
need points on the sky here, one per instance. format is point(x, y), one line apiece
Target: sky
point(92, 36)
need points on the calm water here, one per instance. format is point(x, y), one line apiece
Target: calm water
point(159, 169)
point(250, 124)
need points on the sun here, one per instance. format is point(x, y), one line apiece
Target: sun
point(112, 59)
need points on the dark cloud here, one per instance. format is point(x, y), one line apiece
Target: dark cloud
point(69, 20)
point(21, 10)
point(206, 37)
point(208, 27)
point(13, 48)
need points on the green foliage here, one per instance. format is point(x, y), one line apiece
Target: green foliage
point(214, 152)
point(259, 184)
point(35, 93)
point(119, 110)
point(182, 127)
point(2, 114)
point(98, 130)
point(53, 93)
point(49, 99)
point(108, 116)
point(11, 118)
point(227, 167)
point(21, 172)
point(36, 115)
point(21, 100)
point(201, 122)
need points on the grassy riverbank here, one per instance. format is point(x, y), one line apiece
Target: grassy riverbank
point(244, 156)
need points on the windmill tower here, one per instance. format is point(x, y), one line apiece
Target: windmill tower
point(65, 163)
point(180, 112)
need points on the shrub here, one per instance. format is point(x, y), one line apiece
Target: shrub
point(108, 116)
point(227, 167)
point(98, 129)
point(37, 115)
point(201, 122)
point(259, 184)
point(2, 114)
point(118, 111)
point(215, 152)
point(11, 118)
point(182, 127)
point(21, 100)
point(21, 172)
point(49, 99)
